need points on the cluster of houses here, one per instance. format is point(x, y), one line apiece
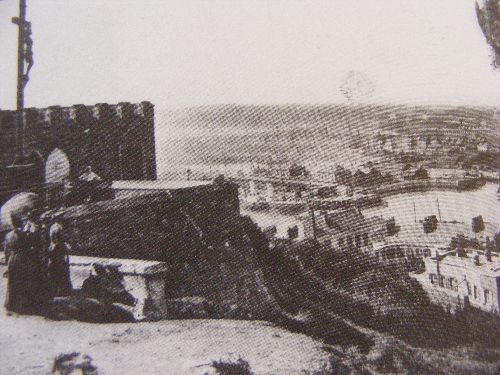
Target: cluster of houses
point(456, 281)
point(427, 144)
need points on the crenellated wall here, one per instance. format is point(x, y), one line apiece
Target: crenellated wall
point(116, 140)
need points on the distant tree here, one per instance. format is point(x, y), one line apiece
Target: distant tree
point(413, 143)
point(428, 141)
point(360, 178)
point(407, 167)
point(325, 192)
point(430, 224)
point(388, 177)
point(391, 227)
point(375, 176)
point(477, 224)
point(293, 232)
point(296, 170)
point(421, 174)
point(488, 15)
point(343, 176)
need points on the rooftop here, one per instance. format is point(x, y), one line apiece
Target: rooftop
point(486, 268)
point(125, 266)
point(157, 184)
point(413, 233)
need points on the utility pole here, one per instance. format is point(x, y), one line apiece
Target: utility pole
point(439, 210)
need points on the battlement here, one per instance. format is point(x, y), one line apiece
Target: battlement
point(117, 140)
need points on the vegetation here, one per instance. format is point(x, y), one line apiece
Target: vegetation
point(462, 242)
point(430, 224)
point(391, 227)
point(489, 19)
point(373, 296)
point(225, 367)
point(477, 224)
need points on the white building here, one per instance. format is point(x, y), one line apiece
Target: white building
point(454, 281)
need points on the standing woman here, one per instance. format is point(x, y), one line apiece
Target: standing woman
point(36, 246)
point(21, 266)
point(59, 280)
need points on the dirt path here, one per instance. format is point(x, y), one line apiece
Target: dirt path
point(28, 345)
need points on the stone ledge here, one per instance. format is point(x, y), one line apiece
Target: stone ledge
point(125, 266)
point(143, 279)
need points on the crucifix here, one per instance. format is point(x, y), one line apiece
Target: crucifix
point(24, 56)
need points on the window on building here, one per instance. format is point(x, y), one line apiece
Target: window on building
point(469, 290)
point(441, 281)
point(358, 240)
point(487, 296)
point(475, 292)
point(453, 283)
point(427, 252)
point(418, 252)
point(433, 278)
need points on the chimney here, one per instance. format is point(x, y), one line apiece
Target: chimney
point(487, 255)
point(475, 259)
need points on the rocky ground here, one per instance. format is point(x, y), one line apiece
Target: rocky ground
point(29, 345)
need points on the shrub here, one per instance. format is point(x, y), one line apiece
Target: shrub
point(240, 367)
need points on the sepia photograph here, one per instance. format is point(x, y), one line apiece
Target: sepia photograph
point(249, 187)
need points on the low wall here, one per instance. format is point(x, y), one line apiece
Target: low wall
point(210, 249)
point(144, 280)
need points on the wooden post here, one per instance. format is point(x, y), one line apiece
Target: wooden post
point(20, 78)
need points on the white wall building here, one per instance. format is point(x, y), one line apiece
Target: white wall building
point(454, 281)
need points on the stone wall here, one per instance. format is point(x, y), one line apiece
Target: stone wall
point(197, 231)
point(116, 140)
point(158, 225)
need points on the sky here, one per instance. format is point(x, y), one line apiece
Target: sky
point(185, 53)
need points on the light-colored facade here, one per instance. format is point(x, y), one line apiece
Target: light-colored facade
point(454, 281)
point(344, 229)
point(411, 255)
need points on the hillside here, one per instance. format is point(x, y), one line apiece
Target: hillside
point(238, 134)
point(30, 344)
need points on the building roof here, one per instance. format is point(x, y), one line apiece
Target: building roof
point(125, 266)
point(345, 220)
point(413, 233)
point(491, 269)
point(157, 185)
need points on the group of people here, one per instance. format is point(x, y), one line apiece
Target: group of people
point(37, 264)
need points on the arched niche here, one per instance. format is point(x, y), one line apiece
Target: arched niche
point(57, 166)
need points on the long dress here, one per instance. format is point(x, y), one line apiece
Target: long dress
point(58, 270)
point(22, 290)
point(39, 272)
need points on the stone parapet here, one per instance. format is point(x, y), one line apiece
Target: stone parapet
point(144, 280)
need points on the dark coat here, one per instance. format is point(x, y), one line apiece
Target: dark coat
point(24, 287)
point(58, 269)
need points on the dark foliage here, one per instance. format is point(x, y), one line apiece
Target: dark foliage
point(430, 224)
point(477, 224)
point(240, 367)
